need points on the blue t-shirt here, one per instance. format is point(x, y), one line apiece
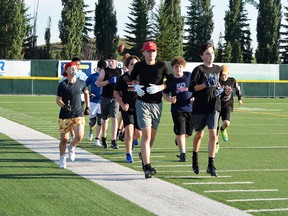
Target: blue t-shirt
point(95, 90)
point(179, 87)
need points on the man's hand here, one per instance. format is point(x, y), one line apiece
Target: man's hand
point(152, 89)
point(139, 90)
point(212, 80)
point(67, 107)
point(112, 80)
point(240, 102)
point(87, 111)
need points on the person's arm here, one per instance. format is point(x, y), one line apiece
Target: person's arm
point(238, 93)
point(118, 98)
point(167, 97)
point(59, 101)
point(100, 81)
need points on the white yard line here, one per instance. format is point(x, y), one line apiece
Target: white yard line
point(155, 195)
point(258, 199)
point(240, 191)
point(266, 210)
point(216, 183)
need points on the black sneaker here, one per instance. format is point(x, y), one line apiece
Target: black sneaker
point(149, 171)
point(122, 136)
point(182, 157)
point(104, 144)
point(211, 170)
point(114, 144)
point(195, 167)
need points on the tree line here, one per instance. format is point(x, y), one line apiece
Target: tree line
point(175, 35)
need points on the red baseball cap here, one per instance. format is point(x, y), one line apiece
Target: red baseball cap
point(69, 64)
point(149, 46)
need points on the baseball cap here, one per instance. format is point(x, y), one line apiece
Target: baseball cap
point(69, 64)
point(149, 46)
point(225, 69)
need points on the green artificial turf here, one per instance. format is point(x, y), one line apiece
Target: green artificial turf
point(254, 158)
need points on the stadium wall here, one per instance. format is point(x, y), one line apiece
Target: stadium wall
point(256, 80)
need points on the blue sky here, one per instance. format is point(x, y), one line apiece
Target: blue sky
point(47, 8)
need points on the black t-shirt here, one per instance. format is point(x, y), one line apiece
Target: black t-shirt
point(205, 102)
point(227, 101)
point(153, 74)
point(71, 94)
point(124, 85)
point(109, 88)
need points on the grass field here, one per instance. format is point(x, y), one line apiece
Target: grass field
point(252, 165)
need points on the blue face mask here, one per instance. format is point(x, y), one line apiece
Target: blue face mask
point(75, 73)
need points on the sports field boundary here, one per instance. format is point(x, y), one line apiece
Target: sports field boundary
point(155, 195)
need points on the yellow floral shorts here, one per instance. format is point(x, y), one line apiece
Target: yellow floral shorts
point(66, 124)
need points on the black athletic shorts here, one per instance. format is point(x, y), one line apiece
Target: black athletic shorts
point(129, 117)
point(182, 123)
point(225, 114)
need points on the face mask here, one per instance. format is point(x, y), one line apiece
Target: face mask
point(74, 73)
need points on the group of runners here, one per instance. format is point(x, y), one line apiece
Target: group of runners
point(198, 99)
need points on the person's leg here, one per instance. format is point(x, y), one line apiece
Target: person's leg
point(196, 146)
point(212, 122)
point(225, 124)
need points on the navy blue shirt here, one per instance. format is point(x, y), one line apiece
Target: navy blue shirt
point(179, 87)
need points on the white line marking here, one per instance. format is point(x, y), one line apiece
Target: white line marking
point(257, 199)
point(265, 210)
point(237, 191)
point(195, 177)
point(216, 183)
point(117, 157)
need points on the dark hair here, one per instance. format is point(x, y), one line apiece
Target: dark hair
point(127, 60)
point(205, 46)
point(101, 64)
point(75, 59)
point(179, 61)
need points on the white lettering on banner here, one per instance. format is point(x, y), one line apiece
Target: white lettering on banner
point(15, 68)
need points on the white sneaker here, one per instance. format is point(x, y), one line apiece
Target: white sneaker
point(90, 135)
point(97, 143)
point(71, 152)
point(62, 162)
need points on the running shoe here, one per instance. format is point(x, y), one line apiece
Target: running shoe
point(182, 157)
point(211, 170)
point(71, 151)
point(97, 142)
point(129, 158)
point(224, 135)
point(62, 162)
point(217, 147)
point(90, 135)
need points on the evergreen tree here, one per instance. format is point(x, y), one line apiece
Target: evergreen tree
point(237, 32)
point(105, 29)
point(227, 56)
point(169, 30)
point(200, 27)
point(139, 28)
point(71, 27)
point(13, 28)
point(268, 31)
point(47, 38)
point(88, 47)
point(284, 38)
point(220, 49)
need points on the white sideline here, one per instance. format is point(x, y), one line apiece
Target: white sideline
point(155, 195)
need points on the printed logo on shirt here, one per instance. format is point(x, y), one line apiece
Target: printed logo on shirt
point(181, 87)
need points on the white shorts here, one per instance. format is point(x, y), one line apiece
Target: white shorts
point(95, 109)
